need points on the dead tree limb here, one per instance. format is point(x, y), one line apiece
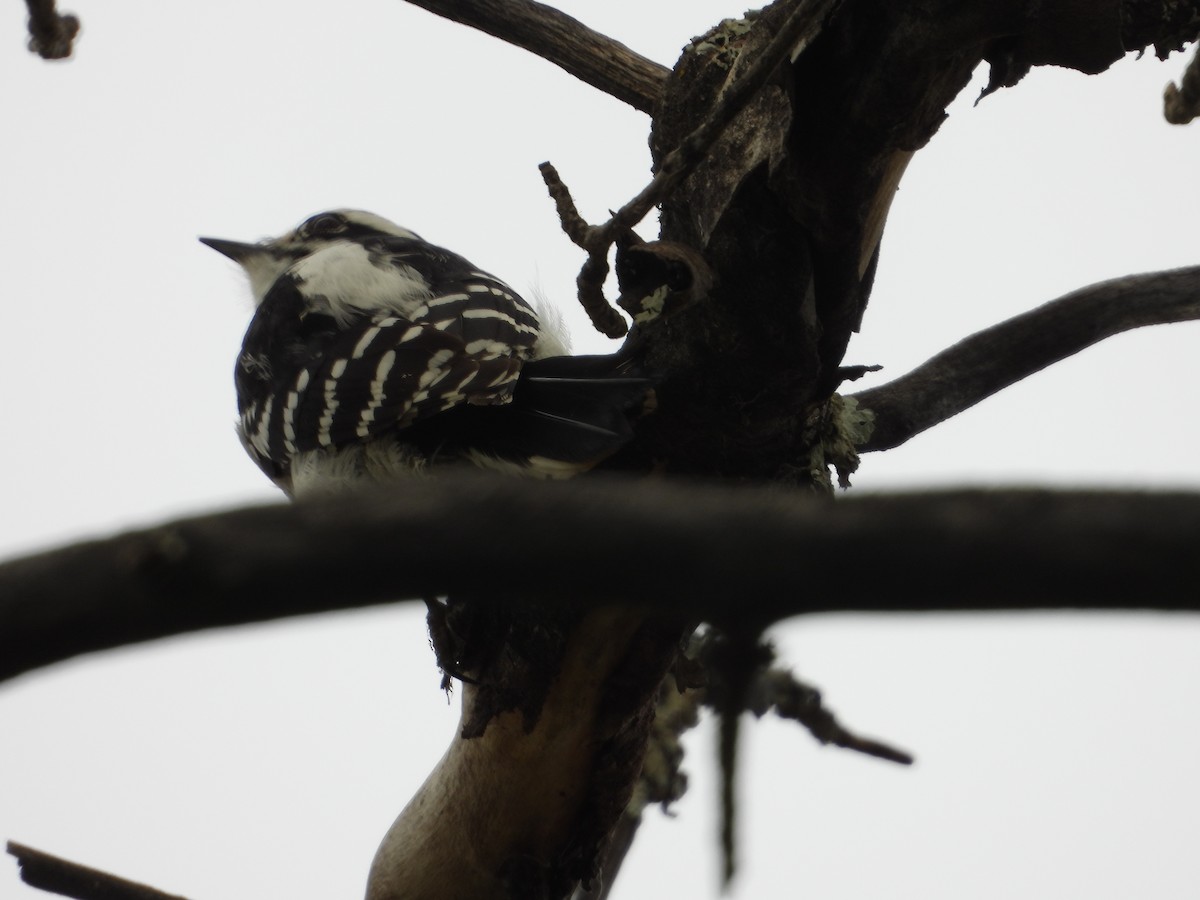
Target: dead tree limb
point(68, 879)
point(990, 360)
point(801, 26)
point(709, 552)
point(590, 56)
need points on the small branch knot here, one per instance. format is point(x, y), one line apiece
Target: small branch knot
point(1181, 103)
point(51, 34)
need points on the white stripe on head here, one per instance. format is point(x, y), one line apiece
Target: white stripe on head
point(377, 223)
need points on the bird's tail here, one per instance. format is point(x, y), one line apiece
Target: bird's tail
point(566, 414)
point(579, 409)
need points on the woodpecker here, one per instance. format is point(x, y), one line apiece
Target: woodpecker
point(373, 354)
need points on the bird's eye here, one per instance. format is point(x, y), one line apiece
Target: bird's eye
point(324, 224)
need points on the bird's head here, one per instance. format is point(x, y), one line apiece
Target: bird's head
point(265, 261)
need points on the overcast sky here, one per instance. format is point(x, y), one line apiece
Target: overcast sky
point(1056, 754)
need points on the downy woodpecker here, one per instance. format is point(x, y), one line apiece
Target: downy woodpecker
point(373, 354)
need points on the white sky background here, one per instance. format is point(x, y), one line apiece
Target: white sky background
point(1056, 754)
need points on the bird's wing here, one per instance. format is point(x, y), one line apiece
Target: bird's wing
point(488, 315)
point(382, 374)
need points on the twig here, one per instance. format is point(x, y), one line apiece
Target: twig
point(51, 35)
point(984, 363)
point(590, 282)
point(695, 548)
point(791, 699)
point(69, 879)
point(800, 28)
point(1182, 104)
point(573, 224)
point(590, 56)
point(736, 663)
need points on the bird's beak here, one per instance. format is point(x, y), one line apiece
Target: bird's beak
point(235, 250)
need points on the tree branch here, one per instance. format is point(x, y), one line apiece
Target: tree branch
point(779, 690)
point(710, 552)
point(69, 879)
point(590, 56)
point(801, 27)
point(596, 243)
point(990, 360)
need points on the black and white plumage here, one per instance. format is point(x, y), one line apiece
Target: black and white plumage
point(373, 353)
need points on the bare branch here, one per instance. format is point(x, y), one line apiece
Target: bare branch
point(990, 360)
point(753, 554)
point(780, 690)
point(51, 34)
point(590, 56)
point(68, 879)
point(590, 282)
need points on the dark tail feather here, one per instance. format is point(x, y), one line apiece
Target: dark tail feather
point(575, 409)
point(578, 408)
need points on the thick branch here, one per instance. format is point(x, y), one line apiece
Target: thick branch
point(709, 552)
point(984, 363)
point(69, 879)
point(590, 56)
point(801, 26)
point(797, 31)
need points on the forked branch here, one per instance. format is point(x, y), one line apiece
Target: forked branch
point(800, 28)
point(989, 361)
